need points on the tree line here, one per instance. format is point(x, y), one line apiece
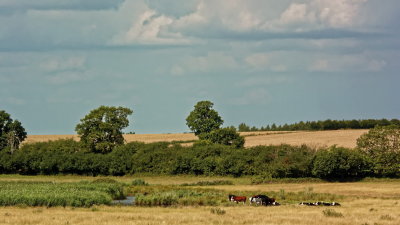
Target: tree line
point(323, 125)
point(377, 155)
point(219, 151)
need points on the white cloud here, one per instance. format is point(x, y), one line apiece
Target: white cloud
point(248, 16)
point(150, 27)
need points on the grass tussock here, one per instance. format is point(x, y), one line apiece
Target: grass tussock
point(332, 213)
point(217, 211)
point(139, 182)
point(386, 217)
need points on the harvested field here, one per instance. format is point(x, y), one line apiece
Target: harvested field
point(343, 138)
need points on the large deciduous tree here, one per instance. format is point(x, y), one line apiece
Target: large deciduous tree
point(204, 119)
point(101, 129)
point(12, 133)
point(205, 122)
point(382, 144)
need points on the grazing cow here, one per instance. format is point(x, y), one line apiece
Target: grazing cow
point(307, 203)
point(263, 200)
point(257, 200)
point(320, 203)
point(237, 199)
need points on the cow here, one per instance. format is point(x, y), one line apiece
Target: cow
point(320, 203)
point(307, 203)
point(263, 200)
point(237, 199)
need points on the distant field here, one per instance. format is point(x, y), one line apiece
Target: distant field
point(344, 138)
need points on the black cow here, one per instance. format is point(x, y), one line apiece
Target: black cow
point(263, 200)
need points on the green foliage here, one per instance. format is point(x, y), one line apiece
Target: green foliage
point(382, 145)
point(67, 157)
point(265, 163)
point(101, 129)
point(224, 136)
point(82, 194)
point(243, 127)
point(203, 119)
point(12, 133)
point(340, 163)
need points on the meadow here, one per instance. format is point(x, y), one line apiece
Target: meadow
point(370, 201)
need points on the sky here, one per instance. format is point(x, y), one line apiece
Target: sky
point(259, 61)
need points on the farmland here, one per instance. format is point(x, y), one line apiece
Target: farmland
point(189, 199)
point(343, 138)
point(372, 201)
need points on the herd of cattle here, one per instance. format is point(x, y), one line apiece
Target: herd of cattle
point(265, 200)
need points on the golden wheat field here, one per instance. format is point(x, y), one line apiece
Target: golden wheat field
point(367, 202)
point(344, 138)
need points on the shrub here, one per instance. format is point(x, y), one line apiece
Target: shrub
point(340, 163)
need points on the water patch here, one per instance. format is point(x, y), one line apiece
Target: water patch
point(130, 200)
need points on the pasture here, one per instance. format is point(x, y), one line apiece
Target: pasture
point(371, 201)
point(343, 138)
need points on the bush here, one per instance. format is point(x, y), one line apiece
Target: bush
point(340, 163)
point(382, 144)
point(224, 136)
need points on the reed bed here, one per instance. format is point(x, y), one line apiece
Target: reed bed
point(49, 194)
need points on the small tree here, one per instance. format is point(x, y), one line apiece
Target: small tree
point(225, 136)
point(203, 119)
point(12, 133)
point(101, 129)
point(382, 144)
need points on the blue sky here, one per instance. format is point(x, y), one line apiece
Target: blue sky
point(259, 61)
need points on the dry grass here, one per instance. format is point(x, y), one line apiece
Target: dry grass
point(344, 138)
point(376, 202)
point(355, 212)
